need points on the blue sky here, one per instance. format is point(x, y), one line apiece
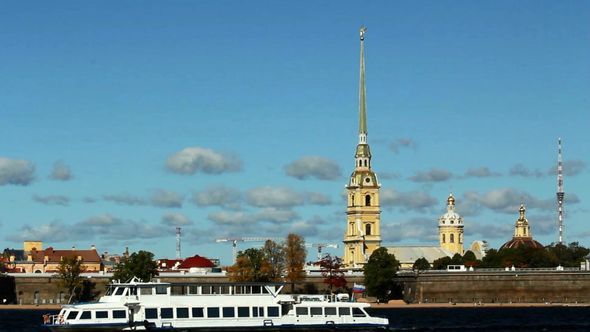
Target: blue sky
point(122, 120)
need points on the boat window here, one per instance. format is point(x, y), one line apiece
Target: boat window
point(132, 290)
point(255, 289)
point(206, 290)
point(72, 314)
point(109, 291)
point(178, 290)
point(119, 314)
point(257, 311)
point(166, 313)
point(181, 312)
point(119, 290)
point(146, 291)
point(273, 311)
point(356, 312)
point(261, 311)
point(101, 314)
point(225, 290)
point(344, 311)
point(301, 311)
point(212, 312)
point(198, 312)
point(264, 290)
point(160, 289)
point(85, 315)
point(243, 311)
point(229, 312)
point(330, 311)
point(193, 289)
point(151, 313)
point(316, 311)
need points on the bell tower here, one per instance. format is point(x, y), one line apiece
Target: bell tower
point(363, 213)
point(450, 229)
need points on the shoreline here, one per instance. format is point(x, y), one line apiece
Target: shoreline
point(30, 307)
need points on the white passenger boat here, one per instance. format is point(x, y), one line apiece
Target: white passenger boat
point(155, 306)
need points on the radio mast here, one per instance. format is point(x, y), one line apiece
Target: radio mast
point(560, 193)
point(178, 256)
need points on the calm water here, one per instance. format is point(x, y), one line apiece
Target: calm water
point(415, 319)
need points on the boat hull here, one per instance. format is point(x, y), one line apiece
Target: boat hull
point(314, 327)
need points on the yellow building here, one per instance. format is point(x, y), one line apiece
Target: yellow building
point(363, 233)
point(450, 229)
point(522, 233)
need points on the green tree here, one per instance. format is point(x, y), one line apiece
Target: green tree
point(251, 266)
point(421, 264)
point(332, 272)
point(294, 259)
point(139, 264)
point(380, 271)
point(68, 274)
point(470, 260)
point(274, 254)
point(441, 263)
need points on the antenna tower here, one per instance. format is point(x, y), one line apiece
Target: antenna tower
point(560, 193)
point(178, 256)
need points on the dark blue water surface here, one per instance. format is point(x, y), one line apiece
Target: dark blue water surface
point(414, 319)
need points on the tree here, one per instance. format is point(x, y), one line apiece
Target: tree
point(331, 272)
point(68, 274)
point(441, 263)
point(275, 256)
point(294, 259)
point(251, 266)
point(379, 274)
point(421, 264)
point(139, 264)
point(470, 260)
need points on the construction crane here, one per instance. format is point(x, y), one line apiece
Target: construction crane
point(234, 241)
point(320, 246)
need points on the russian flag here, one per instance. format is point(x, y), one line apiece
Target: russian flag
point(358, 288)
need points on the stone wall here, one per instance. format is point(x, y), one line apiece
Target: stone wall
point(497, 287)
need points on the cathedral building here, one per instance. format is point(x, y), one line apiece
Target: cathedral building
point(363, 212)
point(450, 229)
point(522, 233)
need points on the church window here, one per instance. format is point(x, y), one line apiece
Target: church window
point(365, 162)
point(443, 239)
point(524, 232)
point(360, 163)
point(460, 238)
point(368, 229)
point(368, 200)
point(452, 238)
point(352, 200)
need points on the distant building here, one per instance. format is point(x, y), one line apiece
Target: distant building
point(450, 229)
point(33, 259)
point(194, 264)
point(522, 233)
point(363, 213)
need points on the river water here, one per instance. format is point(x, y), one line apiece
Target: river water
point(414, 319)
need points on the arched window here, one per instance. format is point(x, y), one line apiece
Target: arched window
point(368, 229)
point(452, 238)
point(352, 200)
point(365, 162)
point(443, 239)
point(368, 200)
point(360, 163)
point(524, 231)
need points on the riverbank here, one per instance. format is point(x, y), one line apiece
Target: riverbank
point(30, 307)
point(402, 304)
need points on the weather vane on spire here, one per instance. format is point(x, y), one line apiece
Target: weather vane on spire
point(363, 30)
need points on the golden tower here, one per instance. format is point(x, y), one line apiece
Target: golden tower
point(363, 234)
point(450, 229)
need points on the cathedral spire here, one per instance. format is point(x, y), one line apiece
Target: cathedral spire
point(362, 92)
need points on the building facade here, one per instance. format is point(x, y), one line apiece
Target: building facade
point(450, 229)
point(363, 212)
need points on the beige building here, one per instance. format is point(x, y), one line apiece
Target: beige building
point(34, 259)
point(363, 234)
point(450, 229)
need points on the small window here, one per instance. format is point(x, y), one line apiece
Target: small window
point(243, 312)
point(72, 314)
point(145, 291)
point(368, 200)
point(301, 311)
point(198, 312)
point(132, 290)
point(166, 313)
point(85, 315)
point(452, 238)
point(160, 289)
point(344, 311)
point(356, 312)
point(151, 313)
point(181, 312)
point(119, 314)
point(365, 162)
point(213, 312)
point(330, 311)
point(443, 238)
point(315, 311)
point(229, 312)
point(368, 229)
point(119, 290)
point(102, 314)
point(273, 311)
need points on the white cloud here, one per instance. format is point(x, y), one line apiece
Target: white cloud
point(318, 198)
point(521, 170)
point(196, 159)
point(480, 172)
point(313, 167)
point(175, 219)
point(52, 200)
point(218, 196)
point(61, 172)
point(279, 197)
point(570, 168)
point(125, 199)
point(413, 200)
point(164, 198)
point(432, 175)
point(17, 172)
point(400, 143)
point(420, 230)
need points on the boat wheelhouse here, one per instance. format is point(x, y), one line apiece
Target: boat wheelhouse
point(211, 307)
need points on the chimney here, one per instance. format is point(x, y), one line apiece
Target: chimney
point(92, 247)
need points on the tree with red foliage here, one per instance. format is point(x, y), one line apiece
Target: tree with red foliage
point(331, 272)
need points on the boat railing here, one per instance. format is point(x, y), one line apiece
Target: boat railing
point(53, 319)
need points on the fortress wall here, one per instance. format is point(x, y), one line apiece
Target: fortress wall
point(498, 287)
